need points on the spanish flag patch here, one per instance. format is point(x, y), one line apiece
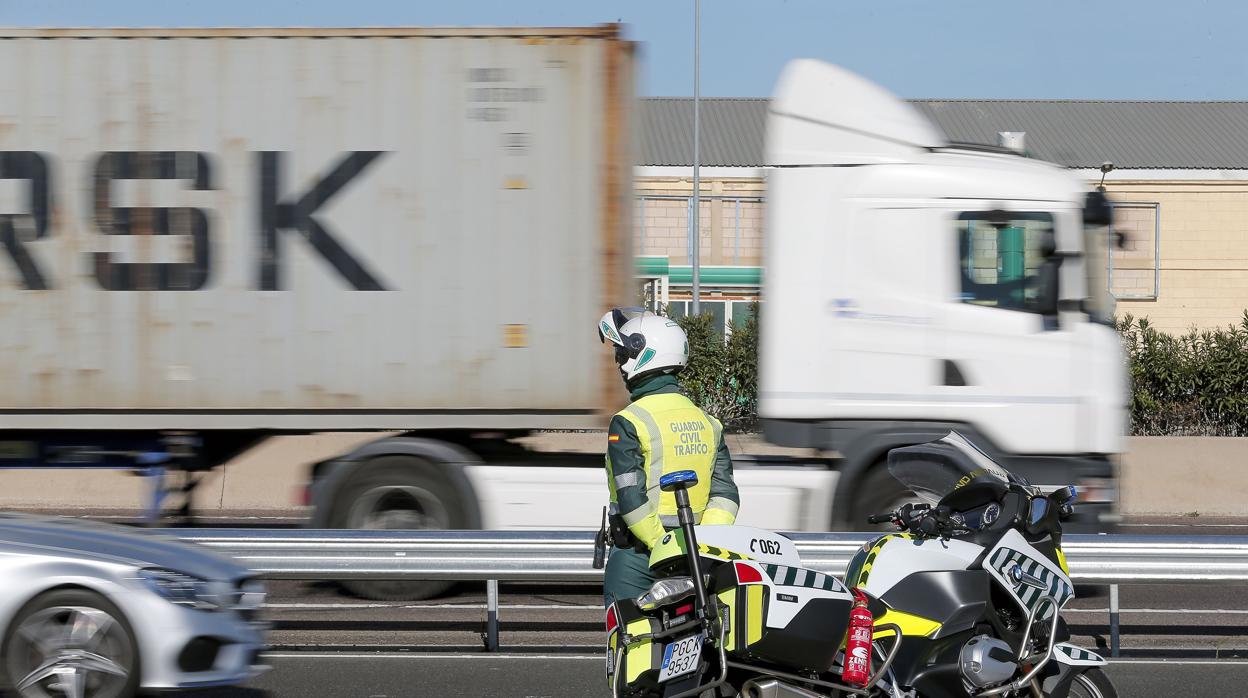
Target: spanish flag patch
point(612, 438)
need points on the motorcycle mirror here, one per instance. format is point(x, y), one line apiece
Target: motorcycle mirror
point(1063, 495)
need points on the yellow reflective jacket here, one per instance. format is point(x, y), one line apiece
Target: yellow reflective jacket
point(662, 432)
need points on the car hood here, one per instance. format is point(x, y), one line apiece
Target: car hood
point(113, 543)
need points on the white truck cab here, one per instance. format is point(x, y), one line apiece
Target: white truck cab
point(914, 285)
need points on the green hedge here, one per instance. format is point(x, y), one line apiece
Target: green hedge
point(722, 376)
point(1195, 384)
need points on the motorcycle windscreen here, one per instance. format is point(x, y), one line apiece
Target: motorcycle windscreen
point(933, 470)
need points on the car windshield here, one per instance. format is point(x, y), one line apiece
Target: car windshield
point(935, 469)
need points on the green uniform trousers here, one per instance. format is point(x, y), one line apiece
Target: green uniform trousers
point(627, 576)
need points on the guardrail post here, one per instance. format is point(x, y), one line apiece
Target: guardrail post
point(491, 615)
point(1113, 620)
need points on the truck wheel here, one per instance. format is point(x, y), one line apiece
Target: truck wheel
point(878, 492)
point(400, 493)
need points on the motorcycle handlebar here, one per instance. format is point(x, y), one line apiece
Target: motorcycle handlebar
point(880, 518)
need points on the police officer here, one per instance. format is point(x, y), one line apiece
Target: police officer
point(661, 432)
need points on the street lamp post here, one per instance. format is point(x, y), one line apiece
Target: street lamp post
point(697, 184)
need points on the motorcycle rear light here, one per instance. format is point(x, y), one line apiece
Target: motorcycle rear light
point(747, 574)
point(664, 592)
point(684, 609)
point(612, 623)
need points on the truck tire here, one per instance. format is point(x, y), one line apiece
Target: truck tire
point(877, 492)
point(400, 492)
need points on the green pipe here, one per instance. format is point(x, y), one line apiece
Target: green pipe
point(720, 276)
point(651, 266)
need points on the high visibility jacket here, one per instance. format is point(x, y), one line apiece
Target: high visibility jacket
point(662, 432)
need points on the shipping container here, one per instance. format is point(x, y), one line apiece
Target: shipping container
point(312, 229)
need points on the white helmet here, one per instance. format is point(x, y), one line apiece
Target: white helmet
point(645, 343)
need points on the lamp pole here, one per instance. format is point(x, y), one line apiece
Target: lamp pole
point(697, 183)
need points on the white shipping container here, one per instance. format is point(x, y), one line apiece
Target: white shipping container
point(311, 229)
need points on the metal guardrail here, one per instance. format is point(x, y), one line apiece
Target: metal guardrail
point(566, 556)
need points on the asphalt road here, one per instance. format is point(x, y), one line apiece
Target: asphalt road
point(541, 676)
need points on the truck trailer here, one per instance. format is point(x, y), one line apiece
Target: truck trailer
point(214, 236)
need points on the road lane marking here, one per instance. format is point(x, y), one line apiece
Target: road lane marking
point(599, 657)
point(410, 655)
point(1194, 662)
point(478, 606)
point(560, 607)
point(1198, 611)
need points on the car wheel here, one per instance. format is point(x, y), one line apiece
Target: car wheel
point(71, 643)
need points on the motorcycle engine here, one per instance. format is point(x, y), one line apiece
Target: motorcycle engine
point(987, 661)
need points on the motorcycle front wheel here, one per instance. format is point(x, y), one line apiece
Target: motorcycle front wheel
point(1092, 683)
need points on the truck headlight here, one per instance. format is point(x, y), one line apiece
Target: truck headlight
point(664, 592)
point(182, 589)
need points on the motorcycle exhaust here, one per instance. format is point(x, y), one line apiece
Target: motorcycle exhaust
point(771, 688)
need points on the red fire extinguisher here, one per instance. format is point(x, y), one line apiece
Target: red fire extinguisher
point(857, 669)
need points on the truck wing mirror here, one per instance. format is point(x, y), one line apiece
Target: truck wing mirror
point(1048, 244)
point(1046, 301)
point(1096, 209)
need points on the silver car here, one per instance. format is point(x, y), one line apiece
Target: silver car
point(91, 609)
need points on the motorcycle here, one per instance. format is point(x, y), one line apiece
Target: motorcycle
point(964, 600)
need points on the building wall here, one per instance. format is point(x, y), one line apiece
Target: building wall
point(1203, 280)
point(1203, 253)
point(731, 220)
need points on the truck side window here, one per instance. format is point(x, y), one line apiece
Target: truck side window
point(999, 259)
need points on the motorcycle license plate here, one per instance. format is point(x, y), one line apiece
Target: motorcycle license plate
point(681, 657)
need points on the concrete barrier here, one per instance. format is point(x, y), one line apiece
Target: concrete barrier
point(1161, 476)
point(1181, 475)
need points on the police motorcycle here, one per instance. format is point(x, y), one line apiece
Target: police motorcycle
point(963, 601)
point(759, 625)
point(976, 580)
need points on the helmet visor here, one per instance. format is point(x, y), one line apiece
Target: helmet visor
point(609, 326)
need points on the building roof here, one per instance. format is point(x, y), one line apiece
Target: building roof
point(1132, 135)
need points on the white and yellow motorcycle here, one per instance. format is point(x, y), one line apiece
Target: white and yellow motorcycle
point(965, 600)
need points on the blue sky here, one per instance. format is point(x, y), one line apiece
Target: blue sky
point(1074, 49)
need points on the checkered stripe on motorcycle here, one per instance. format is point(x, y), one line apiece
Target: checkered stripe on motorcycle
point(799, 577)
point(1077, 654)
point(1004, 560)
